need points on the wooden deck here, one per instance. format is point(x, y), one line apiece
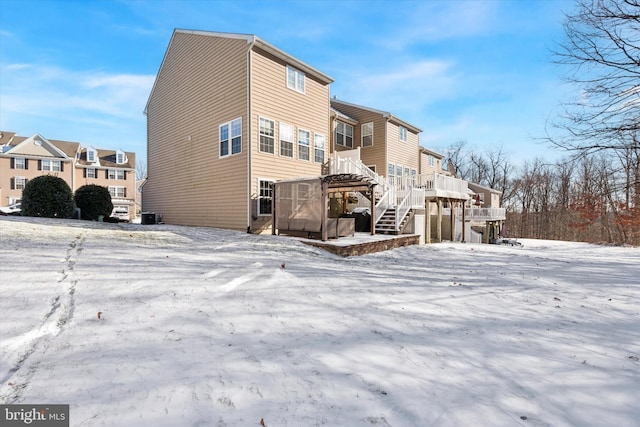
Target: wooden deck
point(364, 243)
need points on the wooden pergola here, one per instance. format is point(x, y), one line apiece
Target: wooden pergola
point(338, 183)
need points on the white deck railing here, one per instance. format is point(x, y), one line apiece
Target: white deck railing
point(491, 214)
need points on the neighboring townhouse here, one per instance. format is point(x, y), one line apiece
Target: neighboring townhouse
point(24, 158)
point(228, 115)
point(112, 169)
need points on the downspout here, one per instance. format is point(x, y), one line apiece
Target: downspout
point(251, 44)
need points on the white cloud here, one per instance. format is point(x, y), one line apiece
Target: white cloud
point(405, 90)
point(57, 92)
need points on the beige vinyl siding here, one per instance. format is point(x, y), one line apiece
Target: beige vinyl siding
point(402, 153)
point(376, 153)
point(271, 99)
point(6, 175)
point(201, 85)
point(425, 168)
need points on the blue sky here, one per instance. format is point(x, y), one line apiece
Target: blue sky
point(476, 70)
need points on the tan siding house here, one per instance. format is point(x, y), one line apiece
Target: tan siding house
point(387, 143)
point(228, 115)
point(24, 158)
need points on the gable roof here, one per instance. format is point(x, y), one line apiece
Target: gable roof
point(39, 146)
point(433, 153)
point(253, 41)
point(336, 103)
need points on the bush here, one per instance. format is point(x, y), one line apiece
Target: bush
point(93, 201)
point(47, 196)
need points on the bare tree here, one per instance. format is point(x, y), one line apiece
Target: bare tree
point(602, 55)
point(141, 170)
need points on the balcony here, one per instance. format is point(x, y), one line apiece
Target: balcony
point(482, 214)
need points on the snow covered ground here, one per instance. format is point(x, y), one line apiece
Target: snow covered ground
point(158, 325)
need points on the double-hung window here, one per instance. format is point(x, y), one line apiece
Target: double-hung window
point(286, 140)
point(19, 163)
point(295, 79)
point(304, 141)
point(18, 183)
point(402, 133)
point(367, 134)
point(231, 137)
point(91, 173)
point(52, 165)
point(267, 135)
point(265, 196)
point(117, 191)
point(344, 134)
point(115, 174)
point(319, 143)
point(91, 155)
point(392, 169)
point(120, 157)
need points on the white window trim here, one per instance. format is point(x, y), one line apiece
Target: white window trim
point(275, 146)
point(230, 138)
point(402, 133)
point(260, 197)
point(91, 153)
point(51, 162)
point(362, 127)
point(293, 140)
point(300, 83)
point(324, 147)
point(307, 145)
point(344, 135)
point(23, 180)
point(95, 173)
point(113, 190)
point(22, 166)
point(116, 174)
point(124, 157)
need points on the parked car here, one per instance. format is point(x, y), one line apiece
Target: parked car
point(121, 213)
point(13, 209)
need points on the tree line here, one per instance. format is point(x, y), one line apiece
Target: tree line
point(589, 198)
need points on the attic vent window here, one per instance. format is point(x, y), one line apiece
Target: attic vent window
point(37, 142)
point(295, 79)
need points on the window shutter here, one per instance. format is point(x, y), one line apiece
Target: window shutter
point(13, 163)
point(39, 165)
point(13, 183)
point(84, 172)
point(106, 173)
point(125, 191)
point(125, 175)
point(61, 166)
point(26, 163)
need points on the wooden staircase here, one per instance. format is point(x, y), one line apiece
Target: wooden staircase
point(387, 223)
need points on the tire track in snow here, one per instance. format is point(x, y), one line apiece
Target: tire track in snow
point(61, 310)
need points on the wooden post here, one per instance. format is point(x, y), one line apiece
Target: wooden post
point(439, 223)
point(325, 209)
point(452, 220)
point(273, 209)
point(373, 207)
point(464, 224)
point(427, 221)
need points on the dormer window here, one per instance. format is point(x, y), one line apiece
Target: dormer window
point(91, 155)
point(295, 79)
point(120, 157)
